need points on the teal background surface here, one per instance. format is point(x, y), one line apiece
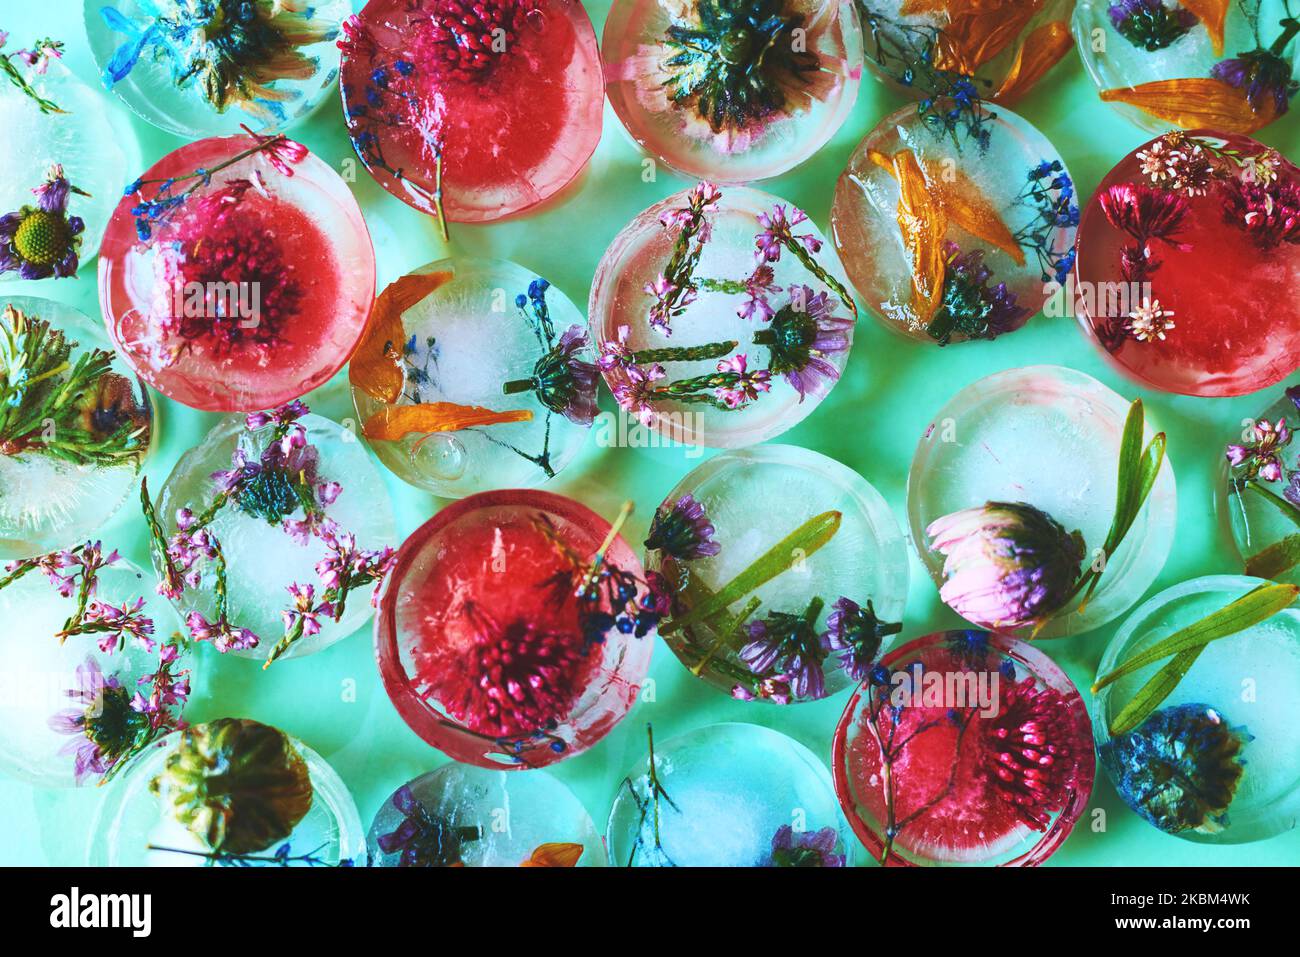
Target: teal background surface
point(871, 421)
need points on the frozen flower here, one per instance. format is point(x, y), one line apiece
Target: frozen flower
point(223, 635)
point(38, 59)
point(421, 839)
point(634, 390)
point(615, 352)
point(281, 152)
point(117, 623)
point(43, 240)
point(856, 634)
point(101, 722)
point(1263, 168)
point(1149, 321)
point(1180, 769)
point(1269, 211)
point(758, 287)
point(682, 530)
point(1262, 455)
point(970, 307)
point(565, 382)
point(1006, 564)
point(778, 233)
point(774, 688)
point(1144, 213)
point(743, 384)
point(283, 415)
point(305, 614)
point(1155, 160)
point(1292, 491)
point(789, 645)
point(791, 848)
point(1263, 74)
point(800, 337)
point(670, 299)
point(1150, 24)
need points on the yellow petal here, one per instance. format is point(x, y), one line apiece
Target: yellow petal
point(1039, 52)
point(554, 855)
point(376, 366)
point(1212, 13)
point(964, 204)
point(1196, 102)
point(922, 223)
point(395, 422)
point(974, 38)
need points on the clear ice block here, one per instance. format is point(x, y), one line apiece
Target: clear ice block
point(475, 817)
point(1219, 761)
point(443, 346)
point(728, 795)
point(732, 92)
point(1049, 437)
point(825, 536)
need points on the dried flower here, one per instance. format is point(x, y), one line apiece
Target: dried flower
point(800, 337)
point(1264, 75)
point(1262, 457)
point(237, 52)
point(739, 64)
point(43, 240)
point(102, 723)
point(856, 634)
point(792, 848)
point(778, 233)
point(563, 381)
point(1146, 214)
point(634, 390)
point(1180, 769)
point(422, 839)
point(1005, 564)
point(1149, 321)
point(238, 785)
point(1028, 754)
point(682, 530)
point(1268, 211)
point(1150, 24)
point(789, 645)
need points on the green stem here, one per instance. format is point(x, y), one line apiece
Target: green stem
point(710, 350)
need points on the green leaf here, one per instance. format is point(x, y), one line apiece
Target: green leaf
point(1284, 506)
point(1154, 691)
point(781, 557)
point(1138, 470)
point(1186, 645)
point(1279, 557)
point(1258, 604)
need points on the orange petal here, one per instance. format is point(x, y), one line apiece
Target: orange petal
point(1212, 13)
point(1196, 102)
point(964, 204)
point(922, 222)
point(1040, 51)
point(974, 38)
point(376, 366)
point(555, 855)
point(395, 422)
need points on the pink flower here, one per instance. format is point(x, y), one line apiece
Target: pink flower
point(615, 352)
point(747, 385)
point(634, 390)
point(778, 233)
point(1262, 457)
point(282, 153)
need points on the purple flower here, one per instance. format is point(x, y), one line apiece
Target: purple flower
point(564, 381)
point(305, 613)
point(778, 233)
point(1263, 75)
point(289, 412)
point(223, 635)
point(1269, 212)
point(856, 634)
point(634, 390)
point(774, 688)
point(744, 384)
point(1262, 456)
point(43, 240)
point(615, 353)
point(421, 839)
point(758, 287)
point(118, 622)
point(1292, 491)
point(800, 337)
point(1006, 564)
point(792, 848)
point(682, 530)
point(789, 645)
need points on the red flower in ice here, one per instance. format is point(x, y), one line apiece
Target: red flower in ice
point(1146, 214)
point(1028, 752)
point(283, 153)
point(519, 678)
